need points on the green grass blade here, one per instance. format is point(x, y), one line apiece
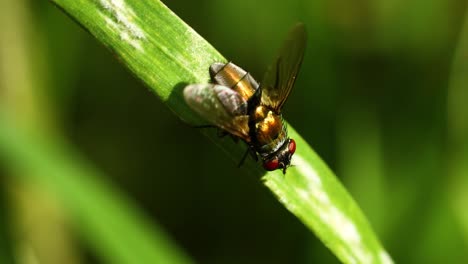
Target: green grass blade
point(458, 128)
point(167, 54)
point(107, 220)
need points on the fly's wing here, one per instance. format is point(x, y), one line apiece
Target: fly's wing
point(280, 77)
point(234, 77)
point(220, 106)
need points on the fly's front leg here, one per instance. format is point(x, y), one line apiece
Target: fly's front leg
point(252, 152)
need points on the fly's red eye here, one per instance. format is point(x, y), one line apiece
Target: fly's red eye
point(271, 165)
point(292, 146)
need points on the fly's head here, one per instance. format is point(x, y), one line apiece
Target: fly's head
point(281, 159)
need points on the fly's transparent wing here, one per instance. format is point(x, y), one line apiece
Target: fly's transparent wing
point(280, 77)
point(221, 106)
point(234, 77)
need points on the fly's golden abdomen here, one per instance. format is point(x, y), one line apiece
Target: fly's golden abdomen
point(234, 77)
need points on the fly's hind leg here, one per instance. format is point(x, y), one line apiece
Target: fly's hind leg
point(234, 138)
point(221, 133)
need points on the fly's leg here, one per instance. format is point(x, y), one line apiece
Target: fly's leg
point(205, 126)
point(252, 152)
point(221, 133)
point(234, 138)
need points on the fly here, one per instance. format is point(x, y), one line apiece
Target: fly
point(239, 105)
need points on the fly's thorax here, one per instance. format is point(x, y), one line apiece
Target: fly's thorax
point(267, 130)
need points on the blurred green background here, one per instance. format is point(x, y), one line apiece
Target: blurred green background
point(380, 97)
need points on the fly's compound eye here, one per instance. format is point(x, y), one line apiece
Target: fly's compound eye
point(271, 165)
point(292, 146)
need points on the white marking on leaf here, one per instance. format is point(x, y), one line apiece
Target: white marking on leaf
point(313, 197)
point(122, 20)
point(385, 258)
point(306, 169)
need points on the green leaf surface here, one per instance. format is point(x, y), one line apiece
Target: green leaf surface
point(166, 54)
